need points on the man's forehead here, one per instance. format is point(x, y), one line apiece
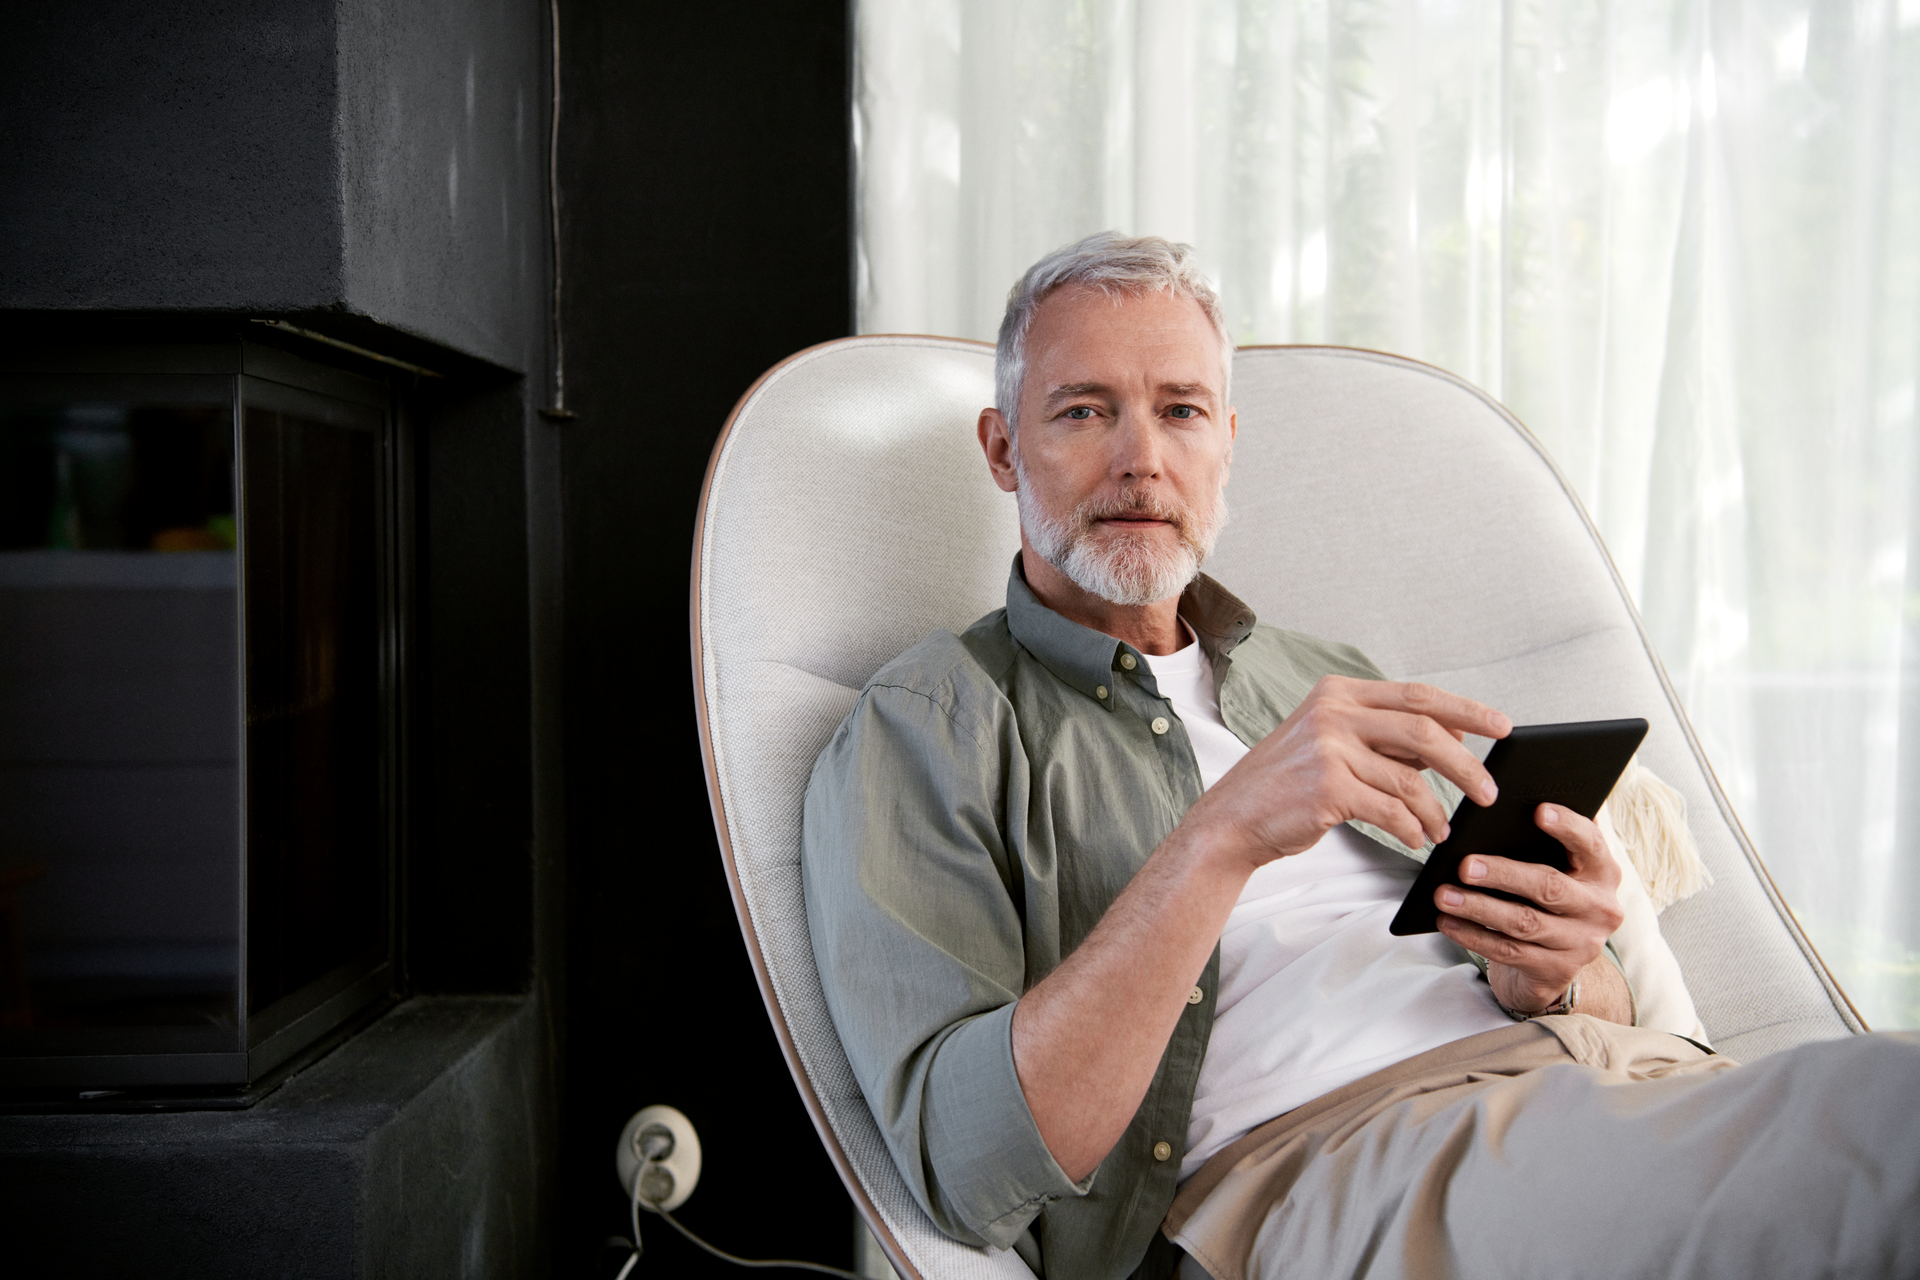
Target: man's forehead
point(1085, 305)
point(1083, 336)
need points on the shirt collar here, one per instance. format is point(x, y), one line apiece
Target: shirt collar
point(1086, 659)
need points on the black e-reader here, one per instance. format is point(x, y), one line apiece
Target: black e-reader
point(1573, 765)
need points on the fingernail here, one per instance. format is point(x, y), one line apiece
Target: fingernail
point(1451, 897)
point(1489, 793)
point(1549, 816)
point(1474, 869)
point(1502, 725)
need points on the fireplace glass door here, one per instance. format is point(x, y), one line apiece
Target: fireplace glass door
point(197, 716)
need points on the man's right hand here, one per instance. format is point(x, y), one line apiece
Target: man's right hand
point(1353, 750)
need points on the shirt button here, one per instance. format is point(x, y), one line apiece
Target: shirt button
point(1159, 724)
point(1099, 691)
point(1162, 1150)
point(1195, 996)
point(1127, 661)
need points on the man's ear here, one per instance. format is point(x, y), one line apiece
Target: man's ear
point(996, 441)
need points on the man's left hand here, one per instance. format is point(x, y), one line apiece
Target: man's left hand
point(1535, 949)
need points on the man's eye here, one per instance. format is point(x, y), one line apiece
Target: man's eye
point(1184, 411)
point(1080, 413)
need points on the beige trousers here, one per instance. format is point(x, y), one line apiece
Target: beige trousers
point(1571, 1147)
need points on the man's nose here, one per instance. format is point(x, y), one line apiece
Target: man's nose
point(1136, 445)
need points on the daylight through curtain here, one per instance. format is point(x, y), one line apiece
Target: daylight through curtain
point(1679, 238)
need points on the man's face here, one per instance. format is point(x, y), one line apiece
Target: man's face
point(1124, 441)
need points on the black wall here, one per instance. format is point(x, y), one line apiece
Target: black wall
point(470, 902)
point(169, 155)
point(355, 161)
point(705, 174)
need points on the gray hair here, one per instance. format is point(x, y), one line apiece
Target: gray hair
point(1116, 265)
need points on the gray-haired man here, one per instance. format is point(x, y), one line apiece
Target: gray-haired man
point(1099, 893)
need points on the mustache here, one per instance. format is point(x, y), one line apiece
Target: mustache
point(1135, 502)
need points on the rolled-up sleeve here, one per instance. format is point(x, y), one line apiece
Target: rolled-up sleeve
point(917, 900)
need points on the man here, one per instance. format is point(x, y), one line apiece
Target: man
point(1099, 893)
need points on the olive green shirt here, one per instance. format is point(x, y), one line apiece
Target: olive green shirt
point(988, 797)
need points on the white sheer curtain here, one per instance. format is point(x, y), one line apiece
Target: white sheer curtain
point(1680, 238)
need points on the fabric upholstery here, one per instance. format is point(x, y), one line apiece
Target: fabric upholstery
point(849, 512)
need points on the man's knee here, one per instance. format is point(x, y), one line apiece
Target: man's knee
point(1874, 1061)
point(1881, 1067)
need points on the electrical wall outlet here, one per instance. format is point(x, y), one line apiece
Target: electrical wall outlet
point(660, 1148)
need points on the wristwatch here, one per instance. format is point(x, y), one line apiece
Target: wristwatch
point(1563, 1005)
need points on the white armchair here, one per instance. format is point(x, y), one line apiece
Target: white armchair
point(847, 512)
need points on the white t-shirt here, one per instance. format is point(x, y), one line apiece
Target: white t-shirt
point(1314, 992)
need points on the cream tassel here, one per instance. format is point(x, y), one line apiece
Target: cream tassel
point(1651, 820)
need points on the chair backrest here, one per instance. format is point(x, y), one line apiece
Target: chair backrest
point(847, 513)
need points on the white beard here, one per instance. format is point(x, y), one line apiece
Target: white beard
point(1121, 568)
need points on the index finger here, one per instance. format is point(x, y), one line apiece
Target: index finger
point(1449, 710)
point(1456, 715)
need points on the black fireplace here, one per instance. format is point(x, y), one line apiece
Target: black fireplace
point(202, 672)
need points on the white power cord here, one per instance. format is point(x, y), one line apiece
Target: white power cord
point(724, 1256)
point(635, 1242)
point(655, 1204)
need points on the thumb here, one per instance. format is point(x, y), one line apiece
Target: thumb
point(1587, 855)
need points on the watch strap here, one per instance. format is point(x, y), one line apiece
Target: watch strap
point(1564, 1004)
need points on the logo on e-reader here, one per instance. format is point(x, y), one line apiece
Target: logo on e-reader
point(1554, 790)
